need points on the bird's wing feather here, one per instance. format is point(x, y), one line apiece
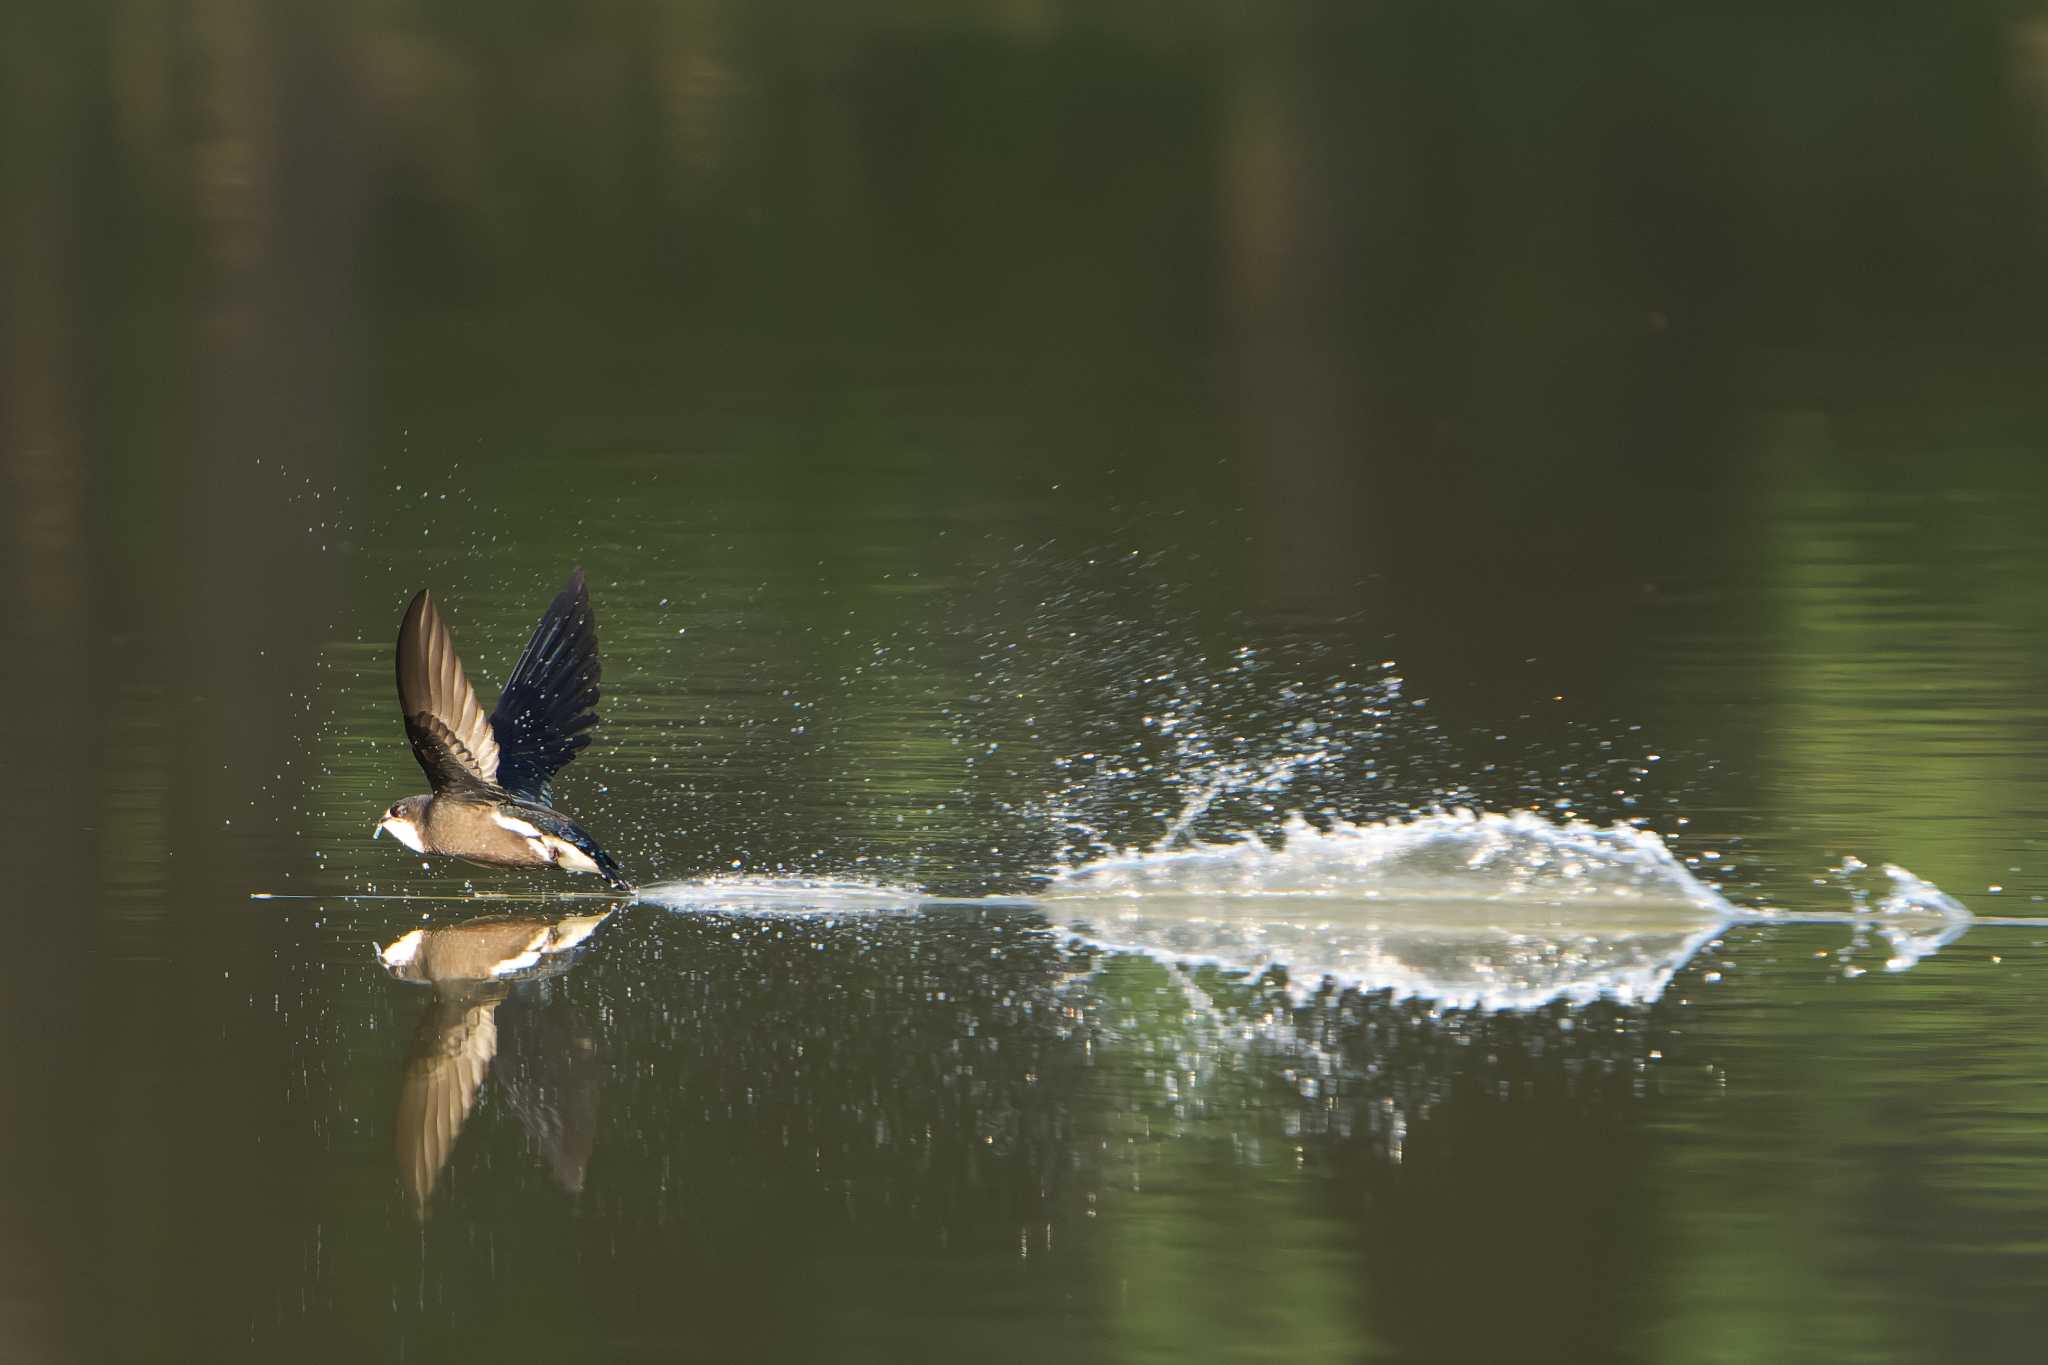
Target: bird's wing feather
point(443, 719)
point(550, 701)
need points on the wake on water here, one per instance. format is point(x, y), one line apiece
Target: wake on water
point(820, 896)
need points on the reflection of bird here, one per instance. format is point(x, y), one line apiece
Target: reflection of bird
point(550, 1082)
point(492, 800)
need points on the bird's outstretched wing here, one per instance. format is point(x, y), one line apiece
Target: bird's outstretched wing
point(443, 719)
point(550, 701)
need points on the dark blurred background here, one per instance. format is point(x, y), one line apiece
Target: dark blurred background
point(1663, 376)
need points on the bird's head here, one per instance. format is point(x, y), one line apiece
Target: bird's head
point(404, 820)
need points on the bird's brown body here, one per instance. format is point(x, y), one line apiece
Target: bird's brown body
point(464, 829)
point(495, 834)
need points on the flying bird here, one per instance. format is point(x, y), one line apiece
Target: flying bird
point(492, 800)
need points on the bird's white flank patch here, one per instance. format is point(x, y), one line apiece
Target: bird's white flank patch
point(567, 855)
point(569, 933)
point(526, 956)
point(516, 825)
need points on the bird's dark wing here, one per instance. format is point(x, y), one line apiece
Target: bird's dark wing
point(550, 700)
point(443, 719)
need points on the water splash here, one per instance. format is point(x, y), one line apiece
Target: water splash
point(1088, 728)
point(1914, 917)
point(1471, 911)
point(1474, 911)
point(1920, 919)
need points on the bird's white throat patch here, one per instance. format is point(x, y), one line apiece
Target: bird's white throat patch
point(405, 831)
point(402, 951)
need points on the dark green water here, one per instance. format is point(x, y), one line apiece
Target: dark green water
point(942, 398)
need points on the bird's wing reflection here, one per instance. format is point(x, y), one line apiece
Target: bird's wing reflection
point(552, 1077)
point(451, 1055)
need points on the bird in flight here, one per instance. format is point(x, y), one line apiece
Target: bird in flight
point(492, 800)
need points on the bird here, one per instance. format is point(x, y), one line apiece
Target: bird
point(551, 1083)
point(493, 798)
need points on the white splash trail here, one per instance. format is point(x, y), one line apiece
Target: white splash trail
point(1473, 911)
point(781, 896)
